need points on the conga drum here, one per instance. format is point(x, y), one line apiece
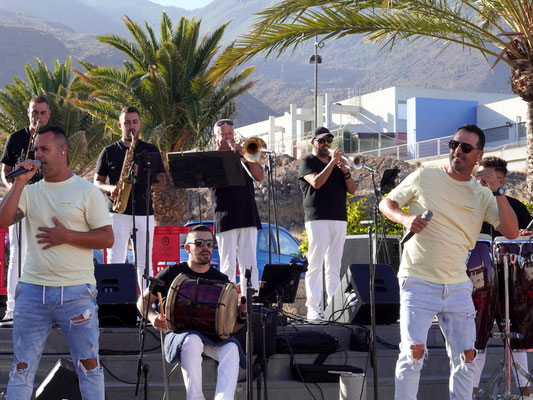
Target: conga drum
point(202, 305)
point(482, 273)
point(520, 252)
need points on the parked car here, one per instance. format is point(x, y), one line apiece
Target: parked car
point(98, 256)
point(288, 247)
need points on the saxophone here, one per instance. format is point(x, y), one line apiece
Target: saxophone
point(124, 183)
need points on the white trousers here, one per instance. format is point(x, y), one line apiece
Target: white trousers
point(122, 229)
point(15, 231)
point(239, 244)
point(227, 356)
point(517, 356)
point(326, 245)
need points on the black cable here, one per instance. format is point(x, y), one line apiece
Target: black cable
point(114, 376)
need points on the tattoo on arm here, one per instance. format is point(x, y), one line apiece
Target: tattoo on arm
point(19, 214)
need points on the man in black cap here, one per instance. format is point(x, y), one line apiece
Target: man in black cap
point(324, 181)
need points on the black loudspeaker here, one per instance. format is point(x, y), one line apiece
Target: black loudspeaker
point(271, 323)
point(351, 302)
point(117, 294)
point(356, 252)
point(60, 383)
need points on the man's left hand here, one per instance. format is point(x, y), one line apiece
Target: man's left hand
point(52, 236)
point(488, 178)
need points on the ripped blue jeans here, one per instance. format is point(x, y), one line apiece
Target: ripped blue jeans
point(37, 308)
point(420, 301)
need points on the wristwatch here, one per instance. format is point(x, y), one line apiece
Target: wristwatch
point(499, 192)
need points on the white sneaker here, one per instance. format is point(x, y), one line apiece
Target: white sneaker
point(312, 315)
point(8, 315)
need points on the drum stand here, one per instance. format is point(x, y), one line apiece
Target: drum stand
point(489, 391)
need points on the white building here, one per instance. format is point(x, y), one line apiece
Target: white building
point(393, 116)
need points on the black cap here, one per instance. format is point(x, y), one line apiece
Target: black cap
point(322, 132)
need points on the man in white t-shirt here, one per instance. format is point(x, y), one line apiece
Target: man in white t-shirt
point(432, 275)
point(65, 217)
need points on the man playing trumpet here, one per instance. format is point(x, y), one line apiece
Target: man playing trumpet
point(324, 181)
point(236, 219)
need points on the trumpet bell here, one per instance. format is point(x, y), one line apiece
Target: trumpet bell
point(252, 149)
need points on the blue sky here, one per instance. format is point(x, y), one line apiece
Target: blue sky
point(187, 4)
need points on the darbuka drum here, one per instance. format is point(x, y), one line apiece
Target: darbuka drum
point(202, 305)
point(485, 289)
point(520, 251)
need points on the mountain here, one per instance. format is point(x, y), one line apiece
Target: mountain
point(32, 28)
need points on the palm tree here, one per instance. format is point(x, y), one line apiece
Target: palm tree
point(501, 30)
point(170, 80)
point(84, 133)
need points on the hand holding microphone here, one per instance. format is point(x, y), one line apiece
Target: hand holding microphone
point(24, 167)
point(426, 216)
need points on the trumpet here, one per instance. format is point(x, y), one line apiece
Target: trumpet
point(359, 162)
point(345, 160)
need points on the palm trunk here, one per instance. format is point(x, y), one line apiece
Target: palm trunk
point(529, 148)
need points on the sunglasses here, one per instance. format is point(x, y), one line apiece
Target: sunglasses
point(203, 242)
point(465, 147)
point(225, 122)
point(328, 139)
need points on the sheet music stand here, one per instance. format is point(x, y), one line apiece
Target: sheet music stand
point(200, 169)
point(279, 283)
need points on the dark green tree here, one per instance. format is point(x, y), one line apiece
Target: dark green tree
point(85, 133)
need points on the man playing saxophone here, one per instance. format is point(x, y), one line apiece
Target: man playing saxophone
point(324, 180)
point(19, 147)
point(111, 177)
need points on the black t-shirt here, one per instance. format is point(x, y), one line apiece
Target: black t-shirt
point(169, 274)
point(234, 207)
point(328, 202)
point(16, 148)
point(522, 214)
point(110, 164)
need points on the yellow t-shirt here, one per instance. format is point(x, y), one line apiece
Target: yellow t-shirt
point(78, 205)
point(438, 253)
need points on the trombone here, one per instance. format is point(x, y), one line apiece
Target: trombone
point(253, 150)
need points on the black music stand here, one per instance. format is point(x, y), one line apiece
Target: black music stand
point(199, 169)
point(279, 283)
point(205, 169)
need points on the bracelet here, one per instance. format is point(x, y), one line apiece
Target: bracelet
point(241, 320)
point(347, 175)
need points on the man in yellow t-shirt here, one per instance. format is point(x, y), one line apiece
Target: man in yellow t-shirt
point(66, 217)
point(432, 276)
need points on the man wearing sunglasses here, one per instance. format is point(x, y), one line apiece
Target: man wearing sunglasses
point(432, 276)
point(187, 346)
point(324, 181)
point(236, 219)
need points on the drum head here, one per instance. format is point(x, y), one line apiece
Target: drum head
point(171, 298)
point(227, 311)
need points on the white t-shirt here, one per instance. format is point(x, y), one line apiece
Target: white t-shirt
point(438, 253)
point(77, 204)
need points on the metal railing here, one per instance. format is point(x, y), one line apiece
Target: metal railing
point(501, 138)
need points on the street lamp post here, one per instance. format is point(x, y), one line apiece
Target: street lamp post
point(316, 59)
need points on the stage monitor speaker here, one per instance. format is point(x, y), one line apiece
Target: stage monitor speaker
point(60, 383)
point(351, 302)
point(117, 294)
point(356, 252)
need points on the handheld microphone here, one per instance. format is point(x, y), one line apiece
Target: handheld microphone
point(20, 171)
point(425, 216)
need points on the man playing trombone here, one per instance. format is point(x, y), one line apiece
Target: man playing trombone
point(236, 219)
point(324, 181)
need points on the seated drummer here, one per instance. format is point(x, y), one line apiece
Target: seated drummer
point(498, 167)
point(187, 346)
